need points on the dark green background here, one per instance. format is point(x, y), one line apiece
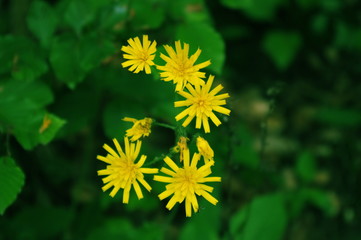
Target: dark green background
point(289, 155)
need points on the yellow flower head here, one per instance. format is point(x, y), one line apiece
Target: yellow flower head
point(187, 182)
point(122, 170)
point(180, 68)
point(182, 145)
point(201, 103)
point(204, 149)
point(139, 56)
point(141, 128)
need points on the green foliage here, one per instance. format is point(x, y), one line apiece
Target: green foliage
point(282, 47)
point(289, 160)
point(306, 166)
point(11, 182)
point(42, 21)
point(243, 151)
point(266, 218)
point(257, 9)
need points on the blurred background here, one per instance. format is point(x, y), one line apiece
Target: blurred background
point(289, 155)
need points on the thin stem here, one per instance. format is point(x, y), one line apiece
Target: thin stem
point(164, 125)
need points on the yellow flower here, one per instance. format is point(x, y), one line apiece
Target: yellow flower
point(139, 56)
point(182, 145)
point(201, 103)
point(180, 68)
point(187, 182)
point(140, 128)
point(122, 170)
point(204, 149)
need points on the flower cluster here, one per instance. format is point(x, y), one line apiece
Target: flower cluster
point(185, 181)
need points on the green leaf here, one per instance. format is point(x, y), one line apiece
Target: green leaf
point(42, 21)
point(257, 9)
point(78, 14)
point(339, 117)
point(22, 58)
point(190, 11)
point(64, 58)
point(11, 182)
point(315, 197)
point(202, 225)
point(50, 127)
point(238, 220)
point(205, 37)
point(72, 59)
point(142, 19)
point(244, 152)
point(306, 166)
point(112, 15)
point(267, 218)
point(282, 47)
point(22, 112)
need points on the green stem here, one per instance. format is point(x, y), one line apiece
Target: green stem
point(164, 125)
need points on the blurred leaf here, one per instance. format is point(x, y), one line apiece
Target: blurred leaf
point(238, 220)
point(347, 37)
point(257, 9)
point(316, 197)
point(320, 23)
point(11, 182)
point(282, 47)
point(50, 127)
point(113, 14)
point(141, 10)
point(339, 117)
point(42, 21)
point(72, 59)
point(202, 225)
point(65, 60)
point(306, 166)
point(205, 37)
point(56, 219)
point(22, 112)
point(22, 58)
point(191, 11)
point(244, 152)
point(267, 218)
point(78, 14)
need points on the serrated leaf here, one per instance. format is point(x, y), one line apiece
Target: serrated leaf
point(282, 47)
point(205, 37)
point(42, 21)
point(11, 182)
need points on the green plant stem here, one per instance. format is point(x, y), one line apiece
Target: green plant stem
point(164, 125)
